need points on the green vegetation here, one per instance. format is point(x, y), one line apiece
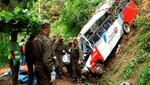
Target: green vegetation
point(3, 48)
point(74, 16)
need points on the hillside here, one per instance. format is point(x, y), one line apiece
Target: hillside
point(132, 62)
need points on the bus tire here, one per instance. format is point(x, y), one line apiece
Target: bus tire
point(126, 28)
point(99, 69)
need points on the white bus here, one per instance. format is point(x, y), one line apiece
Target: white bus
point(100, 35)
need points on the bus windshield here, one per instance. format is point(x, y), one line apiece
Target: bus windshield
point(84, 46)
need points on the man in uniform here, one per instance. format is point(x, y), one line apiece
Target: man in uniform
point(58, 52)
point(42, 49)
point(68, 47)
point(14, 57)
point(75, 52)
point(53, 38)
point(29, 58)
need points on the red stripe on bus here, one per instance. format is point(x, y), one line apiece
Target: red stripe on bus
point(95, 56)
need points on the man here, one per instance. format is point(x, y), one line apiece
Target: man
point(75, 52)
point(68, 47)
point(42, 50)
point(58, 52)
point(29, 58)
point(14, 57)
point(54, 38)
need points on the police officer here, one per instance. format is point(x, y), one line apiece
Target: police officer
point(68, 47)
point(53, 38)
point(42, 49)
point(58, 52)
point(29, 58)
point(14, 57)
point(75, 58)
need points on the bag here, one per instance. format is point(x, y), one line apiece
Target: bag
point(66, 58)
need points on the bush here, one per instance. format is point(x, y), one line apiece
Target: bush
point(75, 15)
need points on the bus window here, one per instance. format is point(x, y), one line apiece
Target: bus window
point(84, 46)
point(106, 25)
point(100, 32)
point(94, 38)
point(88, 34)
point(124, 3)
point(100, 20)
point(94, 27)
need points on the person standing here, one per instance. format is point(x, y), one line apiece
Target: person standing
point(29, 58)
point(75, 52)
point(58, 52)
point(14, 57)
point(42, 50)
point(54, 38)
point(68, 47)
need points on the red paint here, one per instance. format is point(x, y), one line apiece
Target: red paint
point(95, 55)
point(129, 12)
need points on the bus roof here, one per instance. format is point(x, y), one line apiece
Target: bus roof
point(99, 13)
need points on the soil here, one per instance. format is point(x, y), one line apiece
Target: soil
point(64, 81)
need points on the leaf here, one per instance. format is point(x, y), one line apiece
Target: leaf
point(18, 11)
point(29, 4)
point(6, 15)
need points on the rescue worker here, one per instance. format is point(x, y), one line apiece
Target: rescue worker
point(14, 57)
point(54, 38)
point(29, 58)
point(75, 52)
point(68, 47)
point(58, 52)
point(42, 50)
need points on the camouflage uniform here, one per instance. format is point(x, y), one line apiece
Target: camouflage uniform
point(75, 52)
point(68, 47)
point(58, 48)
point(43, 58)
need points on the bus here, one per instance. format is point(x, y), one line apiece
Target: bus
point(102, 32)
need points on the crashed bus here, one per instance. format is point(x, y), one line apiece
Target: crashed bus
point(101, 34)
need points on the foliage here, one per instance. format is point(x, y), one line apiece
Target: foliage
point(145, 74)
point(19, 20)
point(50, 7)
point(141, 53)
point(3, 49)
point(75, 15)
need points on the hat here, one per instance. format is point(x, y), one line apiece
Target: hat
point(60, 36)
point(45, 24)
point(75, 39)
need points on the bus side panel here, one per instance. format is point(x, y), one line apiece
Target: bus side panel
point(129, 13)
point(114, 33)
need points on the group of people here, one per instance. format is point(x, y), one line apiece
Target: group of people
point(46, 54)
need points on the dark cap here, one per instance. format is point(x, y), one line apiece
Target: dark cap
point(45, 25)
